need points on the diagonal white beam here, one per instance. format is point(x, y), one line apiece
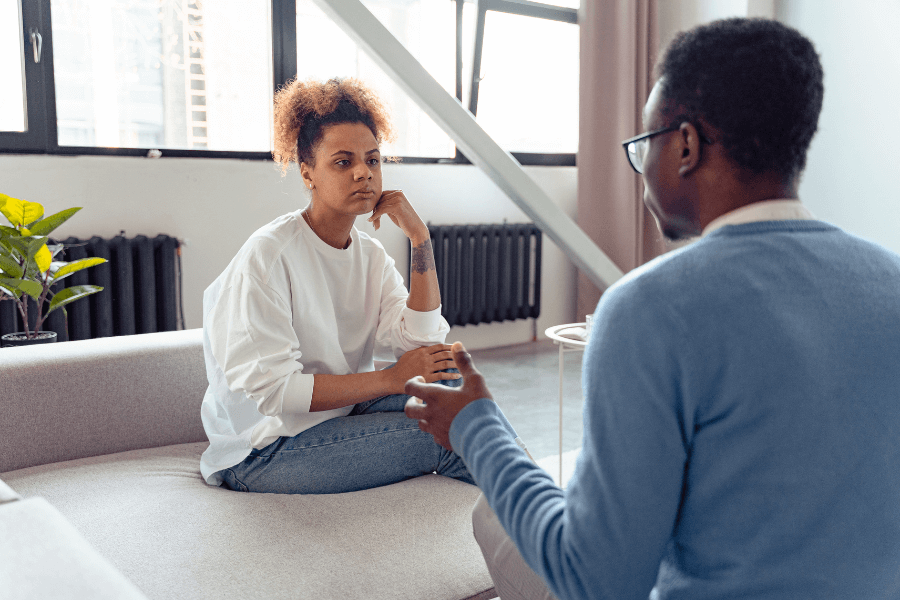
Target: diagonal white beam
point(504, 170)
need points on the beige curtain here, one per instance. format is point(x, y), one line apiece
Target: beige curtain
point(619, 41)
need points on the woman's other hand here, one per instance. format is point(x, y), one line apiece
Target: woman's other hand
point(427, 362)
point(395, 205)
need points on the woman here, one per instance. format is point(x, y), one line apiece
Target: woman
point(294, 323)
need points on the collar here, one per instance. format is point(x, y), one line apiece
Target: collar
point(778, 209)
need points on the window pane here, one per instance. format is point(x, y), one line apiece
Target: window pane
point(564, 3)
point(12, 69)
point(188, 74)
point(427, 28)
point(528, 95)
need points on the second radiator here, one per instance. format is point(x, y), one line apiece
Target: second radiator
point(488, 273)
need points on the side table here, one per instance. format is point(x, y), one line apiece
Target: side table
point(570, 338)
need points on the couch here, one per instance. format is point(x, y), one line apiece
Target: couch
point(100, 442)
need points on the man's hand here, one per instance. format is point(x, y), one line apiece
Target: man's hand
point(442, 404)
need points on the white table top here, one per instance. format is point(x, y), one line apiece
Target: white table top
point(572, 335)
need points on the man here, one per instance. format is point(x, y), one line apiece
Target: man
point(742, 394)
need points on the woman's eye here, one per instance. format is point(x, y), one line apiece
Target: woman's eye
point(343, 162)
point(374, 161)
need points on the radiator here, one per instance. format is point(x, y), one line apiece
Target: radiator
point(142, 290)
point(488, 273)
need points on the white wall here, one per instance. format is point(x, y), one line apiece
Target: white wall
point(854, 158)
point(215, 204)
point(679, 15)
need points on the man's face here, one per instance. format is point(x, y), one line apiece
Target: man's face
point(665, 190)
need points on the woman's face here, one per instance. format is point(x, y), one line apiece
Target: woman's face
point(347, 175)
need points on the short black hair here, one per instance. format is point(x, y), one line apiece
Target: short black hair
point(757, 81)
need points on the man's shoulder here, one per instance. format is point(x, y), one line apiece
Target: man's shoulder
point(681, 276)
point(662, 273)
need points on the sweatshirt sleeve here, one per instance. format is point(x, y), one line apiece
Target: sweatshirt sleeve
point(401, 328)
point(605, 535)
point(253, 342)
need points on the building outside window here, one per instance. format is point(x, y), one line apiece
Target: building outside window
point(196, 77)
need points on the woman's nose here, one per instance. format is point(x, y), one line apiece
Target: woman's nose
point(363, 172)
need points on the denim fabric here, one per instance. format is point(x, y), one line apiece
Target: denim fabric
point(375, 445)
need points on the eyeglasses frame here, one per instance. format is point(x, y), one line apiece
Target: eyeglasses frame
point(650, 134)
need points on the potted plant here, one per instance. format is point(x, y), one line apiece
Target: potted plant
point(28, 267)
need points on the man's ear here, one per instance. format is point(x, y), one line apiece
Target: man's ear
point(689, 138)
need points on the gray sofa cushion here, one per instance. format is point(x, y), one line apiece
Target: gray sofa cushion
point(152, 516)
point(42, 556)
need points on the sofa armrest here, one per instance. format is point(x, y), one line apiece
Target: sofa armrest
point(92, 397)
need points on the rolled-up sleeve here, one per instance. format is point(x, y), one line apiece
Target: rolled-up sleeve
point(401, 328)
point(254, 344)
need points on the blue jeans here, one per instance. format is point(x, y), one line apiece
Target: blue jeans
point(375, 445)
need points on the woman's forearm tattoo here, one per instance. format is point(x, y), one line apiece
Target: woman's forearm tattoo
point(423, 258)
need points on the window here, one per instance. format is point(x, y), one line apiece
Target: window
point(425, 27)
point(23, 52)
point(528, 93)
point(12, 68)
point(525, 94)
point(163, 74)
point(196, 77)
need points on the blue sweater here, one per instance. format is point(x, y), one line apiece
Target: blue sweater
point(741, 429)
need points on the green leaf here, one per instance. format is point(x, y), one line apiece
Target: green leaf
point(10, 231)
point(17, 286)
point(33, 246)
point(32, 288)
point(10, 282)
point(20, 212)
point(19, 245)
point(10, 267)
point(74, 266)
point(10, 286)
point(71, 294)
point(48, 224)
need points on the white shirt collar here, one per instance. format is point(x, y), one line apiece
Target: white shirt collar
point(780, 209)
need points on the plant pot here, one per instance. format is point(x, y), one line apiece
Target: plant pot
point(18, 339)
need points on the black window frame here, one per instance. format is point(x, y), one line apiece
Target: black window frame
point(41, 136)
point(523, 8)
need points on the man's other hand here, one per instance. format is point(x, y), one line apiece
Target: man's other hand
point(435, 406)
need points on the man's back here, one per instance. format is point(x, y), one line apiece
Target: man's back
point(777, 345)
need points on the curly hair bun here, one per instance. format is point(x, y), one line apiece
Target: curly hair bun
point(758, 81)
point(304, 108)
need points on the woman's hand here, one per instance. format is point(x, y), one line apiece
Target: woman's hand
point(394, 204)
point(427, 362)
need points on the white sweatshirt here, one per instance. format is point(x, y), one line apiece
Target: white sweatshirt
point(289, 306)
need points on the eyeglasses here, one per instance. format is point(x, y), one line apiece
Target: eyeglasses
point(636, 147)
